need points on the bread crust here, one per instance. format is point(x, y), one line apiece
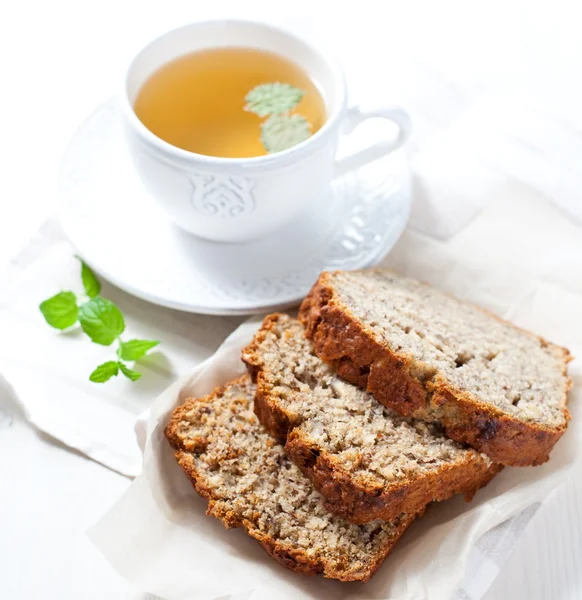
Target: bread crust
point(356, 502)
point(339, 338)
point(289, 557)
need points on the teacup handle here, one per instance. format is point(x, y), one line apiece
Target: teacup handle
point(355, 117)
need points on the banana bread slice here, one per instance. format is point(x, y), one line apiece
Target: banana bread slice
point(367, 462)
point(427, 355)
point(249, 482)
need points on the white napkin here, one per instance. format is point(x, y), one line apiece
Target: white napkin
point(49, 370)
point(496, 143)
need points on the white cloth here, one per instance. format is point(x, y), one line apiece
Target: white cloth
point(486, 225)
point(49, 370)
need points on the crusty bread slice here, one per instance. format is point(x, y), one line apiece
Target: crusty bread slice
point(425, 354)
point(367, 462)
point(249, 482)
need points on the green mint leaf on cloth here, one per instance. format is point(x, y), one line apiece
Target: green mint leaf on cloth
point(60, 311)
point(104, 372)
point(135, 349)
point(272, 98)
point(101, 320)
point(90, 282)
point(280, 132)
point(129, 373)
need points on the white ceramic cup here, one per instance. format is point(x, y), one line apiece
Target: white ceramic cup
point(242, 199)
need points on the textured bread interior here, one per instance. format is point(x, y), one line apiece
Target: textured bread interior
point(373, 444)
point(251, 482)
point(471, 350)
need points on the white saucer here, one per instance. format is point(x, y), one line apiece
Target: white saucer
point(122, 233)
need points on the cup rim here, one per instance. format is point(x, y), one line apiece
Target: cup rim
point(312, 144)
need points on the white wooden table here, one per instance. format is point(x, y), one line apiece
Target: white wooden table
point(59, 59)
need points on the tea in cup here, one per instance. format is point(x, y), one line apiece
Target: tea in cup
point(233, 127)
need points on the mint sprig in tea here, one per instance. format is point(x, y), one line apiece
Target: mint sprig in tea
point(283, 128)
point(231, 102)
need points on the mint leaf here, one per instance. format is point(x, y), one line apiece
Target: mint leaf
point(90, 282)
point(280, 132)
point(104, 372)
point(60, 311)
point(129, 373)
point(272, 98)
point(135, 349)
point(101, 320)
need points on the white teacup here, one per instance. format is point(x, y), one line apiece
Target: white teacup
point(241, 199)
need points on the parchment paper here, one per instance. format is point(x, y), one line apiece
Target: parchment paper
point(158, 537)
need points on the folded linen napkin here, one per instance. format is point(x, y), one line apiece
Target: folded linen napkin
point(49, 371)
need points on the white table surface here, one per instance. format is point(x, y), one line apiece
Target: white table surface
point(60, 58)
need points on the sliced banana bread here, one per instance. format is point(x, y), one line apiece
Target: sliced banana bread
point(367, 462)
point(427, 355)
point(249, 482)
